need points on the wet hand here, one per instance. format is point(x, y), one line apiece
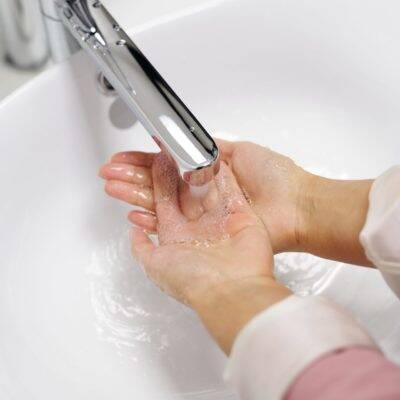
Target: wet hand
point(216, 259)
point(274, 186)
point(226, 243)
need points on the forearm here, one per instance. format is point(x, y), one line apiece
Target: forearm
point(334, 213)
point(225, 310)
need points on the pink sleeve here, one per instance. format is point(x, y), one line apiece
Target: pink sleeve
point(355, 373)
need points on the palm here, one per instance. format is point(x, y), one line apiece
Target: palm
point(270, 182)
point(195, 254)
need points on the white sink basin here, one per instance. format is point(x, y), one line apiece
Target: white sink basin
point(318, 81)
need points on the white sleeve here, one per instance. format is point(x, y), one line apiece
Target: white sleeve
point(381, 234)
point(277, 345)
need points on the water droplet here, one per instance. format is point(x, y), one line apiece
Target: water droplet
point(116, 28)
point(121, 42)
point(97, 4)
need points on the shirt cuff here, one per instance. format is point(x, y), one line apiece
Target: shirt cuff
point(380, 235)
point(277, 345)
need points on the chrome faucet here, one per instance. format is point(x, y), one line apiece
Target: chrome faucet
point(154, 103)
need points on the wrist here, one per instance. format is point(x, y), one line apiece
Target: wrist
point(333, 215)
point(287, 223)
point(226, 308)
point(294, 235)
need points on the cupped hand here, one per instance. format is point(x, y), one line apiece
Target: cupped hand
point(214, 254)
point(273, 185)
point(301, 211)
point(226, 243)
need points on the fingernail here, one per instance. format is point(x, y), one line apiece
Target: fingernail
point(146, 213)
point(100, 172)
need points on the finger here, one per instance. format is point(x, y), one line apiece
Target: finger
point(230, 192)
point(127, 173)
point(138, 158)
point(171, 221)
point(197, 201)
point(240, 215)
point(191, 204)
point(210, 200)
point(142, 247)
point(166, 188)
point(131, 193)
point(144, 220)
point(226, 149)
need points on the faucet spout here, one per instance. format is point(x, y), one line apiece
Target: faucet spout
point(163, 114)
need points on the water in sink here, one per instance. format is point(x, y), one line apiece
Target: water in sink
point(143, 325)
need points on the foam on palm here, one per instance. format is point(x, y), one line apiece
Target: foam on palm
point(222, 199)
